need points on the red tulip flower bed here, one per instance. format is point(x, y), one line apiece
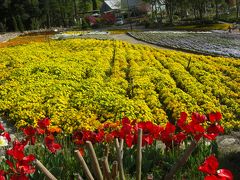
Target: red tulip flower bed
point(56, 150)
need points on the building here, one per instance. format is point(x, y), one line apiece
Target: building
point(110, 5)
point(123, 5)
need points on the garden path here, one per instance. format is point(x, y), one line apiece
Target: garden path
point(7, 36)
point(125, 37)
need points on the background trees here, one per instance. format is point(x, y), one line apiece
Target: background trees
point(198, 10)
point(19, 15)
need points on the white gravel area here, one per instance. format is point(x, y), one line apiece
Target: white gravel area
point(7, 36)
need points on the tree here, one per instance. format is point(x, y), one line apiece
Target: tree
point(170, 9)
point(217, 10)
point(94, 5)
point(238, 9)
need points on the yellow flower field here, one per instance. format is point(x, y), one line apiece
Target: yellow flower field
point(81, 83)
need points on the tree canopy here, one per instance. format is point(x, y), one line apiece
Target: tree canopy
point(19, 15)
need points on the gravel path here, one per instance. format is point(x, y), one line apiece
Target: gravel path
point(7, 36)
point(125, 37)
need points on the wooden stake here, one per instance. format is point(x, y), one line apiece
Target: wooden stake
point(181, 161)
point(106, 169)
point(121, 147)
point(119, 157)
point(42, 168)
point(139, 155)
point(78, 176)
point(115, 170)
point(97, 170)
point(84, 165)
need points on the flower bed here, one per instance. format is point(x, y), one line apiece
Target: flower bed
point(213, 43)
point(82, 83)
point(138, 140)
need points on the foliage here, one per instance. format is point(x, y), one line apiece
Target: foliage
point(82, 83)
point(35, 14)
point(108, 18)
point(91, 20)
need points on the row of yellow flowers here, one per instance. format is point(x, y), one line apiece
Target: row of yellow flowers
point(81, 83)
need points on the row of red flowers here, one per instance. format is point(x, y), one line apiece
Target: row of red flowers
point(21, 165)
point(199, 126)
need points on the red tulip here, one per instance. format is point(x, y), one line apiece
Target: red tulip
point(125, 121)
point(170, 128)
point(156, 131)
point(211, 177)
point(7, 136)
point(19, 177)
point(182, 120)
point(141, 125)
point(198, 118)
point(99, 136)
point(215, 128)
point(21, 164)
point(15, 153)
point(88, 136)
point(225, 174)
point(30, 132)
point(51, 145)
point(180, 137)
point(126, 129)
point(2, 127)
point(147, 139)
point(2, 173)
point(213, 131)
point(211, 136)
point(213, 117)
point(195, 129)
point(17, 150)
point(40, 131)
point(28, 158)
point(210, 165)
point(44, 123)
point(109, 137)
point(25, 168)
point(134, 122)
point(78, 138)
point(167, 135)
point(129, 140)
